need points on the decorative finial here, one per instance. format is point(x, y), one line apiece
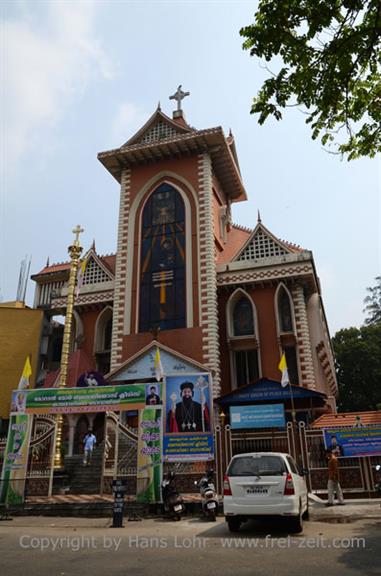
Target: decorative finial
point(230, 133)
point(93, 245)
point(259, 217)
point(158, 105)
point(178, 96)
point(47, 262)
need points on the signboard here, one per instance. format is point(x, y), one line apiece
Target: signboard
point(149, 455)
point(188, 432)
point(78, 400)
point(353, 442)
point(265, 416)
point(15, 459)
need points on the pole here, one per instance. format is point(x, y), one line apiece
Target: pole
point(75, 251)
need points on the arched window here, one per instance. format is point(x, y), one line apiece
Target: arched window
point(102, 344)
point(243, 319)
point(162, 261)
point(284, 311)
point(244, 352)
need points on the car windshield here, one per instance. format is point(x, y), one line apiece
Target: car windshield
point(257, 466)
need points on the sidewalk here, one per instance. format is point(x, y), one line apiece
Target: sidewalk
point(353, 509)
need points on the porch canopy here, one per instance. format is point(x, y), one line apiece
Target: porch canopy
point(269, 391)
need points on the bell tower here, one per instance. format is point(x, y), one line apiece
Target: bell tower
point(176, 187)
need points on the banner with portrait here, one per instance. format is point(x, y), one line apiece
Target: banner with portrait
point(188, 431)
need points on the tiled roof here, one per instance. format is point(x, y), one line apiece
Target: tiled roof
point(108, 260)
point(79, 362)
point(347, 419)
point(236, 239)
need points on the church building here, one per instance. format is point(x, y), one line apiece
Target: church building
point(212, 295)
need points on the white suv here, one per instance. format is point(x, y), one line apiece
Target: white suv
point(264, 484)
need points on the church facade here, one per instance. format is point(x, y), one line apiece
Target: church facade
point(214, 296)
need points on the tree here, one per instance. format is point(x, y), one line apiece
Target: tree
point(331, 68)
point(373, 303)
point(358, 367)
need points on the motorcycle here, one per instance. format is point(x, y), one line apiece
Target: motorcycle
point(378, 477)
point(172, 500)
point(209, 500)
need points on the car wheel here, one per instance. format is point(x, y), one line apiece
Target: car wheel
point(233, 524)
point(296, 524)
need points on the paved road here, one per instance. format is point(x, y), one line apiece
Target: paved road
point(40, 546)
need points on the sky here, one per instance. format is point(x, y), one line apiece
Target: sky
point(81, 77)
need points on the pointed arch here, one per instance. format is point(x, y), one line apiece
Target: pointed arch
point(242, 334)
point(286, 327)
point(102, 339)
point(241, 299)
point(162, 273)
point(284, 307)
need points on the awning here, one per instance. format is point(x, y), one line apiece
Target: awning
point(265, 390)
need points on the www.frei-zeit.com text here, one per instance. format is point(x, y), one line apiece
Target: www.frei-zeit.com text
point(114, 544)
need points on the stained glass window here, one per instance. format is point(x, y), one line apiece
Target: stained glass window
point(162, 264)
point(284, 309)
point(243, 320)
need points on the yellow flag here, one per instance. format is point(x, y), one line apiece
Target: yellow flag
point(159, 372)
point(26, 374)
point(282, 366)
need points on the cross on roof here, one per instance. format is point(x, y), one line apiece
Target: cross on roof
point(178, 96)
point(77, 231)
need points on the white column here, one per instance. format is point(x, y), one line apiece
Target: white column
point(72, 421)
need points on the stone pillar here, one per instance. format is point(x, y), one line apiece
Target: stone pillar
point(208, 279)
point(120, 272)
point(72, 420)
point(306, 367)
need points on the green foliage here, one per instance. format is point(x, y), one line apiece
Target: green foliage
point(331, 68)
point(358, 367)
point(373, 303)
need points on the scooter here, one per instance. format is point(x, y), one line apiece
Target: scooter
point(209, 500)
point(173, 503)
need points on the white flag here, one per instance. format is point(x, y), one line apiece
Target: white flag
point(282, 366)
point(159, 372)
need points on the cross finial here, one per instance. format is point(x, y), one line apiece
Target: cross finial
point(178, 96)
point(77, 231)
point(259, 217)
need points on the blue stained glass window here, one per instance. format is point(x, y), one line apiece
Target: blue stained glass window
point(162, 261)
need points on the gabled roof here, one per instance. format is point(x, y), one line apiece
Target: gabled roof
point(236, 238)
point(263, 244)
point(344, 419)
point(158, 127)
point(162, 138)
point(106, 263)
point(142, 363)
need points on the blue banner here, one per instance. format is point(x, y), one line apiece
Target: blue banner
point(188, 447)
point(352, 442)
point(265, 416)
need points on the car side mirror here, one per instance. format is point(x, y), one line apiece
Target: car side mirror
point(304, 472)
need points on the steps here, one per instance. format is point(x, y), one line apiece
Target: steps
point(84, 479)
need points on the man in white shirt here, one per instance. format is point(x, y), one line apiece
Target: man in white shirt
point(89, 442)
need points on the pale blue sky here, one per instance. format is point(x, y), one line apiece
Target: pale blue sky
point(81, 77)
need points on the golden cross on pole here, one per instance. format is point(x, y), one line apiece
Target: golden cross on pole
point(75, 251)
point(77, 231)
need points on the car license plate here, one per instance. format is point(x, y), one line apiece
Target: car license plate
point(211, 505)
point(177, 508)
point(257, 490)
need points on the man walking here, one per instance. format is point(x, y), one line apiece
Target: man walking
point(89, 442)
point(334, 480)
